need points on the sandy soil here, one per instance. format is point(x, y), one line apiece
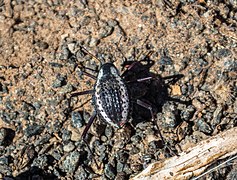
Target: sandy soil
point(40, 63)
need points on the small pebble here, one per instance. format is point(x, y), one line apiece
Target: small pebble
point(94, 42)
point(3, 135)
point(120, 166)
point(203, 126)
point(33, 130)
point(70, 163)
point(109, 132)
point(221, 53)
point(121, 176)
point(68, 147)
point(136, 167)
point(59, 81)
point(122, 156)
point(81, 173)
point(41, 161)
point(109, 171)
point(77, 120)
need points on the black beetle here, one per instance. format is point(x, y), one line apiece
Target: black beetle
point(114, 95)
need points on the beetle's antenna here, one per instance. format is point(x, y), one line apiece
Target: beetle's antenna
point(92, 55)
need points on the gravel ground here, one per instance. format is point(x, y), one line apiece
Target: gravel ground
point(40, 66)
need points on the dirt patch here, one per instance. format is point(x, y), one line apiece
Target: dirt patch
point(41, 58)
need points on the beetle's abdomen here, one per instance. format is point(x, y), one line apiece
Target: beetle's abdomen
point(111, 99)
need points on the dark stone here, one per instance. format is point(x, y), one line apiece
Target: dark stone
point(165, 60)
point(147, 158)
point(42, 44)
point(3, 88)
point(136, 139)
point(122, 156)
point(81, 173)
point(134, 150)
point(8, 105)
point(59, 81)
point(5, 116)
point(71, 162)
point(66, 135)
point(170, 114)
point(4, 164)
point(109, 171)
point(223, 53)
point(56, 153)
point(106, 31)
point(68, 146)
point(54, 64)
point(40, 161)
point(6, 136)
point(120, 166)
point(153, 146)
point(42, 139)
point(121, 176)
point(231, 65)
point(109, 132)
point(203, 126)
point(33, 130)
point(3, 135)
point(187, 113)
point(77, 120)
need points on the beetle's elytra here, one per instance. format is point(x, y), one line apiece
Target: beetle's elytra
point(111, 96)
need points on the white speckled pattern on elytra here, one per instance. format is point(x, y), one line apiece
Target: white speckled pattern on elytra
point(111, 97)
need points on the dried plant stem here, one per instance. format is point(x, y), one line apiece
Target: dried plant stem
point(215, 168)
point(195, 160)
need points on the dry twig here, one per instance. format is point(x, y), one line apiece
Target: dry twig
point(195, 160)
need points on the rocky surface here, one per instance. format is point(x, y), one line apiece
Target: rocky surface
point(41, 59)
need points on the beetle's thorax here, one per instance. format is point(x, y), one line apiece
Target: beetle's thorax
point(111, 96)
point(108, 70)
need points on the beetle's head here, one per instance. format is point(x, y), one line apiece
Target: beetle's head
point(108, 70)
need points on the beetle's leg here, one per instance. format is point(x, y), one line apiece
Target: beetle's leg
point(173, 79)
point(128, 65)
point(82, 93)
point(83, 136)
point(141, 79)
point(91, 120)
point(149, 107)
point(131, 64)
point(75, 94)
point(147, 59)
point(147, 38)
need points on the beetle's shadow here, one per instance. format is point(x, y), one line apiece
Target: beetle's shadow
point(153, 91)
